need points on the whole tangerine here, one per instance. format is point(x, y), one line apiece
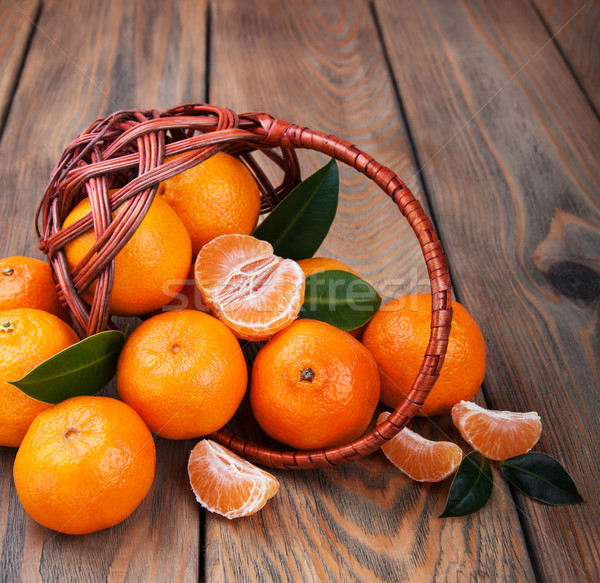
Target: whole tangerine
point(150, 270)
point(219, 196)
point(26, 282)
point(314, 386)
point(398, 335)
point(27, 338)
point(84, 465)
point(184, 372)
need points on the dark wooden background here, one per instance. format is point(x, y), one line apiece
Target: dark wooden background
point(490, 112)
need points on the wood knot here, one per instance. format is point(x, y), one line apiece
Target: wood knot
point(574, 280)
point(568, 257)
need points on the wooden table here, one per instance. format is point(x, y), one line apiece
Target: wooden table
point(489, 111)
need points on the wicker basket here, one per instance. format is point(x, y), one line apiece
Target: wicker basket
point(127, 150)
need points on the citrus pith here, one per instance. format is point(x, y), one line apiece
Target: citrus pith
point(248, 287)
point(497, 435)
point(421, 459)
point(227, 484)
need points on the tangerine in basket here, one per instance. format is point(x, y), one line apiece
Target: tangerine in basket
point(27, 338)
point(421, 459)
point(398, 335)
point(497, 435)
point(150, 269)
point(215, 197)
point(26, 282)
point(248, 287)
point(227, 484)
point(84, 465)
point(312, 265)
point(183, 372)
point(314, 386)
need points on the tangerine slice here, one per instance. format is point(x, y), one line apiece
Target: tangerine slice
point(248, 287)
point(497, 435)
point(421, 459)
point(225, 483)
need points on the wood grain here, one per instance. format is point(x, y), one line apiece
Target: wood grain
point(321, 64)
point(576, 27)
point(85, 61)
point(508, 145)
point(17, 20)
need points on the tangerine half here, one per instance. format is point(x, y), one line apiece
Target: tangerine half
point(249, 288)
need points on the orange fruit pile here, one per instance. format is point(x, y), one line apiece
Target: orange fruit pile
point(88, 462)
point(84, 465)
point(27, 337)
point(397, 336)
point(314, 386)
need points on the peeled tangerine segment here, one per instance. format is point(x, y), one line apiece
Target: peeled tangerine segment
point(419, 458)
point(247, 287)
point(225, 483)
point(497, 435)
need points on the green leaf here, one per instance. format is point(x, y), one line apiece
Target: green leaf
point(541, 477)
point(471, 487)
point(339, 298)
point(81, 369)
point(297, 226)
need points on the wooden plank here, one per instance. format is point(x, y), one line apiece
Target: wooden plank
point(508, 145)
point(17, 20)
point(575, 24)
point(321, 65)
point(86, 60)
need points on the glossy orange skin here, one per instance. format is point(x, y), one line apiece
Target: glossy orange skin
point(27, 338)
point(26, 282)
point(397, 336)
point(183, 372)
point(317, 264)
point(84, 465)
point(333, 407)
point(217, 197)
point(152, 267)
